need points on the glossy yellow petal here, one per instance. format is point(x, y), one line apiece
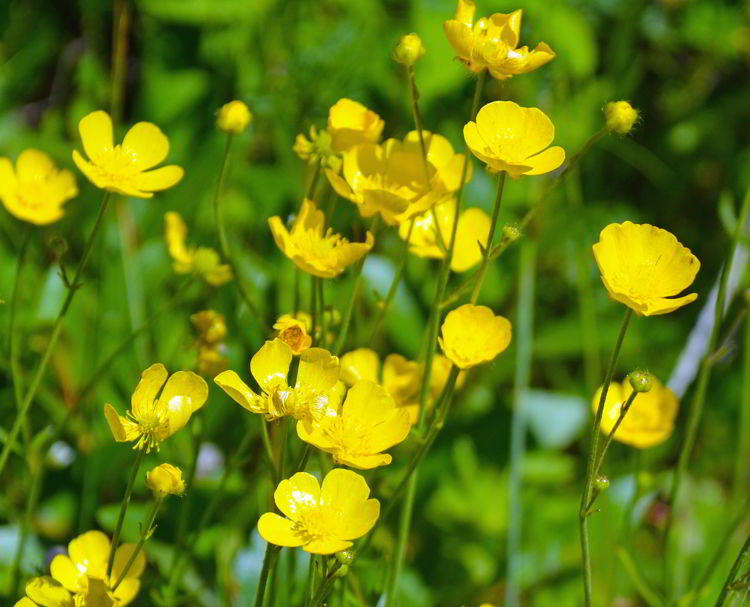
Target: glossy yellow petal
point(473, 228)
point(279, 531)
point(362, 462)
point(362, 520)
point(345, 490)
point(184, 393)
point(34, 165)
point(362, 363)
point(46, 592)
point(465, 10)
point(367, 400)
point(546, 161)
point(115, 424)
point(96, 135)
point(472, 335)
point(296, 494)
point(89, 170)
point(239, 391)
point(514, 132)
point(350, 123)
point(122, 556)
point(270, 364)
point(90, 551)
point(25, 602)
point(145, 145)
point(159, 179)
point(63, 570)
point(127, 591)
point(144, 395)
point(318, 369)
point(326, 546)
point(460, 37)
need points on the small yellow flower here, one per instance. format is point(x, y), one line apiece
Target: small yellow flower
point(316, 378)
point(211, 325)
point(322, 520)
point(164, 480)
point(409, 49)
point(357, 432)
point(650, 419)
point(645, 267)
point(391, 179)
point(514, 139)
point(203, 261)
point(621, 116)
point(36, 190)
point(322, 254)
point(293, 332)
point(151, 420)
point(318, 149)
point(350, 123)
point(492, 43)
point(233, 117)
point(472, 335)
point(124, 168)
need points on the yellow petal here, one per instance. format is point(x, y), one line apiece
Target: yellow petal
point(472, 335)
point(145, 145)
point(90, 551)
point(144, 395)
point(362, 462)
point(127, 591)
point(318, 369)
point(25, 602)
point(362, 520)
point(326, 545)
point(46, 592)
point(278, 530)
point(88, 169)
point(115, 424)
point(298, 492)
point(34, 165)
point(362, 363)
point(96, 135)
point(546, 161)
point(473, 228)
point(184, 393)
point(65, 572)
point(239, 391)
point(344, 490)
point(159, 179)
point(513, 132)
point(270, 364)
point(122, 556)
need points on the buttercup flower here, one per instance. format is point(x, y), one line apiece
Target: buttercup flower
point(492, 43)
point(293, 332)
point(621, 116)
point(472, 335)
point(202, 261)
point(233, 117)
point(514, 139)
point(409, 49)
point(316, 377)
point(391, 179)
point(322, 520)
point(124, 168)
point(212, 329)
point(350, 123)
point(151, 420)
point(356, 432)
point(164, 480)
point(325, 255)
point(645, 267)
point(650, 419)
point(36, 190)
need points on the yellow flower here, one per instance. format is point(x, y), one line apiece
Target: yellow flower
point(356, 432)
point(233, 117)
point(645, 267)
point(188, 260)
point(621, 116)
point(322, 520)
point(473, 228)
point(318, 149)
point(151, 420)
point(441, 369)
point(211, 325)
point(316, 377)
point(124, 168)
point(36, 190)
point(322, 254)
point(472, 335)
point(350, 123)
point(391, 179)
point(409, 49)
point(293, 332)
point(514, 139)
point(650, 419)
point(164, 480)
point(492, 43)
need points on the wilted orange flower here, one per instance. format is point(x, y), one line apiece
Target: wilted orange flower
point(472, 335)
point(202, 261)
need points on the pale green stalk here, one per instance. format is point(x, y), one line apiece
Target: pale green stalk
point(727, 587)
point(124, 508)
point(15, 367)
point(488, 246)
point(32, 498)
point(146, 532)
point(742, 460)
point(611, 435)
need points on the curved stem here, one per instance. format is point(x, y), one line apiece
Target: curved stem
point(123, 509)
point(146, 532)
point(611, 435)
point(268, 559)
point(733, 573)
point(488, 246)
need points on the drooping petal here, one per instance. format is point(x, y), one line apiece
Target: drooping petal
point(546, 161)
point(270, 365)
point(46, 592)
point(159, 179)
point(115, 424)
point(300, 491)
point(184, 393)
point(96, 135)
point(239, 391)
point(144, 395)
point(122, 556)
point(362, 462)
point(145, 145)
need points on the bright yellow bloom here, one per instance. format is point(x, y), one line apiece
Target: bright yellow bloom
point(357, 432)
point(492, 43)
point(293, 332)
point(621, 116)
point(124, 168)
point(211, 325)
point(322, 254)
point(233, 117)
point(645, 267)
point(409, 49)
point(473, 228)
point(322, 520)
point(391, 178)
point(472, 335)
point(36, 190)
point(514, 139)
point(202, 261)
point(151, 420)
point(164, 480)
point(650, 419)
point(316, 377)
point(350, 123)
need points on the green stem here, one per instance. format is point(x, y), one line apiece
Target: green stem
point(15, 367)
point(124, 508)
point(649, 595)
point(611, 435)
point(733, 573)
point(31, 502)
point(403, 538)
point(146, 532)
point(198, 427)
point(742, 460)
point(583, 513)
point(488, 246)
point(119, 56)
point(268, 559)
point(269, 450)
point(310, 195)
point(56, 329)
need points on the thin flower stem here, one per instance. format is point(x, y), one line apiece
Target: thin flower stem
point(742, 459)
point(488, 246)
point(403, 537)
point(269, 558)
point(120, 25)
point(611, 435)
point(265, 434)
point(15, 368)
point(310, 195)
point(32, 499)
point(588, 491)
point(295, 302)
point(56, 329)
point(198, 427)
point(124, 508)
point(726, 588)
point(146, 532)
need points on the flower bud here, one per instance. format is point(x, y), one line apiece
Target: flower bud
point(511, 233)
point(345, 557)
point(234, 117)
point(409, 49)
point(601, 483)
point(165, 480)
point(342, 571)
point(621, 116)
point(640, 381)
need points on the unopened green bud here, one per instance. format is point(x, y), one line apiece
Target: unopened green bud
point(341, 571)
point(640, 381)
point(409, 49)
point(345, 557)
point(601, 483)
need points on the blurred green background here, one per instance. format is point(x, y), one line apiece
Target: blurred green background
point(683, 64)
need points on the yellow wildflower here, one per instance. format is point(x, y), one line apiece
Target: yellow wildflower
point(202, 261)
point(472, 335)
point(621, 116)
point(233, 117)
point(391, 178)
point(514, 139)
point(124, 168)
point(164, 480)
point(350, 123)
point(318, 149)
point(650, 419)
point(645, 267)
point(325, 255)
point(356, 432)
point(293, 332)
point(409, 49)
point(151, 420)
point(316, 378)
point(36, 190)
point(211, 325)
point(492, 43)
point(322, 520)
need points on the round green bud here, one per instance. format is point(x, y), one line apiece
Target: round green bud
point(601, 483)
point(640, 381)
point(345, 557)
point(341, 571)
